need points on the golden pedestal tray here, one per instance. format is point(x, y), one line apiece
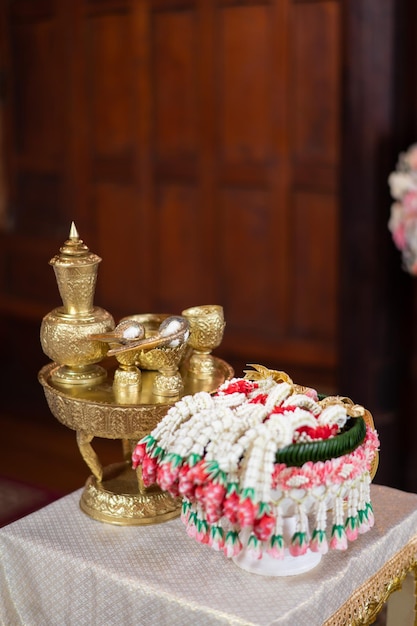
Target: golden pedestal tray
point(115, 494)
point(124, 397)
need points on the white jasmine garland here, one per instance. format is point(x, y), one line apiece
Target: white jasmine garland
point(220, 453)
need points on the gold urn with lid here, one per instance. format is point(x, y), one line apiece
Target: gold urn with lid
point(65, 331)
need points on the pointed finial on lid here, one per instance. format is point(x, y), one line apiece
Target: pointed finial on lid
point(74, 249)
point(73, 232)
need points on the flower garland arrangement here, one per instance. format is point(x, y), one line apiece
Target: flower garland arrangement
point(256, 451)
point(403, 218)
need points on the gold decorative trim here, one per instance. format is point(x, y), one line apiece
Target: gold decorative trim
point(367, 601)
point(128, 509)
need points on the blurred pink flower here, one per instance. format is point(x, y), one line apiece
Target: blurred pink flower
point(403, 217)
point(412, 156)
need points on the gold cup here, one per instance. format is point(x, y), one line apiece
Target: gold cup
point(206, 333)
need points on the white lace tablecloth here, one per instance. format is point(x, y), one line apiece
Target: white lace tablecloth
point(59, 567)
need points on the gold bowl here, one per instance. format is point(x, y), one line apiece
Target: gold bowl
point(150, 359)
point(165, 358)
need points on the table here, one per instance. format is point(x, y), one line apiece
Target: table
point(58, 566)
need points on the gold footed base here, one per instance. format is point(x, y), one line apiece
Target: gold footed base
point(117, 499)
point(202, 365)
point(83, 375)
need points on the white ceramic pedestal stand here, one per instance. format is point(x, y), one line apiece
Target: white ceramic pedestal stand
point(268, 566)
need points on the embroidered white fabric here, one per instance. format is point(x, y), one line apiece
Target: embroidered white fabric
point(59, 567)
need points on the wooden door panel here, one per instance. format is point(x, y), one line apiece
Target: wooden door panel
point(109, 79)
point(38, 117)
point(120, 285)
point(39, 201)
point(245, 249)
point(38, 60)
point(105, 80)
point(182, 267)
point(243, 61)
point(314, 261)
point(315, 75)
point(250, 184)
point(175, 46)
point(27, 283)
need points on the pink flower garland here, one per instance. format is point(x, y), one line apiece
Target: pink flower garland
point(324, 473)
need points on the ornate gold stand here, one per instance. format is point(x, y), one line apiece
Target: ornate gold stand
point(115, 494)
point(101, 500)
point(114, 398)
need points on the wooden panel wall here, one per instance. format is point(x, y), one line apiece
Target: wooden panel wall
point(196, 145)
point(39, 118)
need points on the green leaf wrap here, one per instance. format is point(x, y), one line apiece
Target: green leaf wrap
point(296, 454)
